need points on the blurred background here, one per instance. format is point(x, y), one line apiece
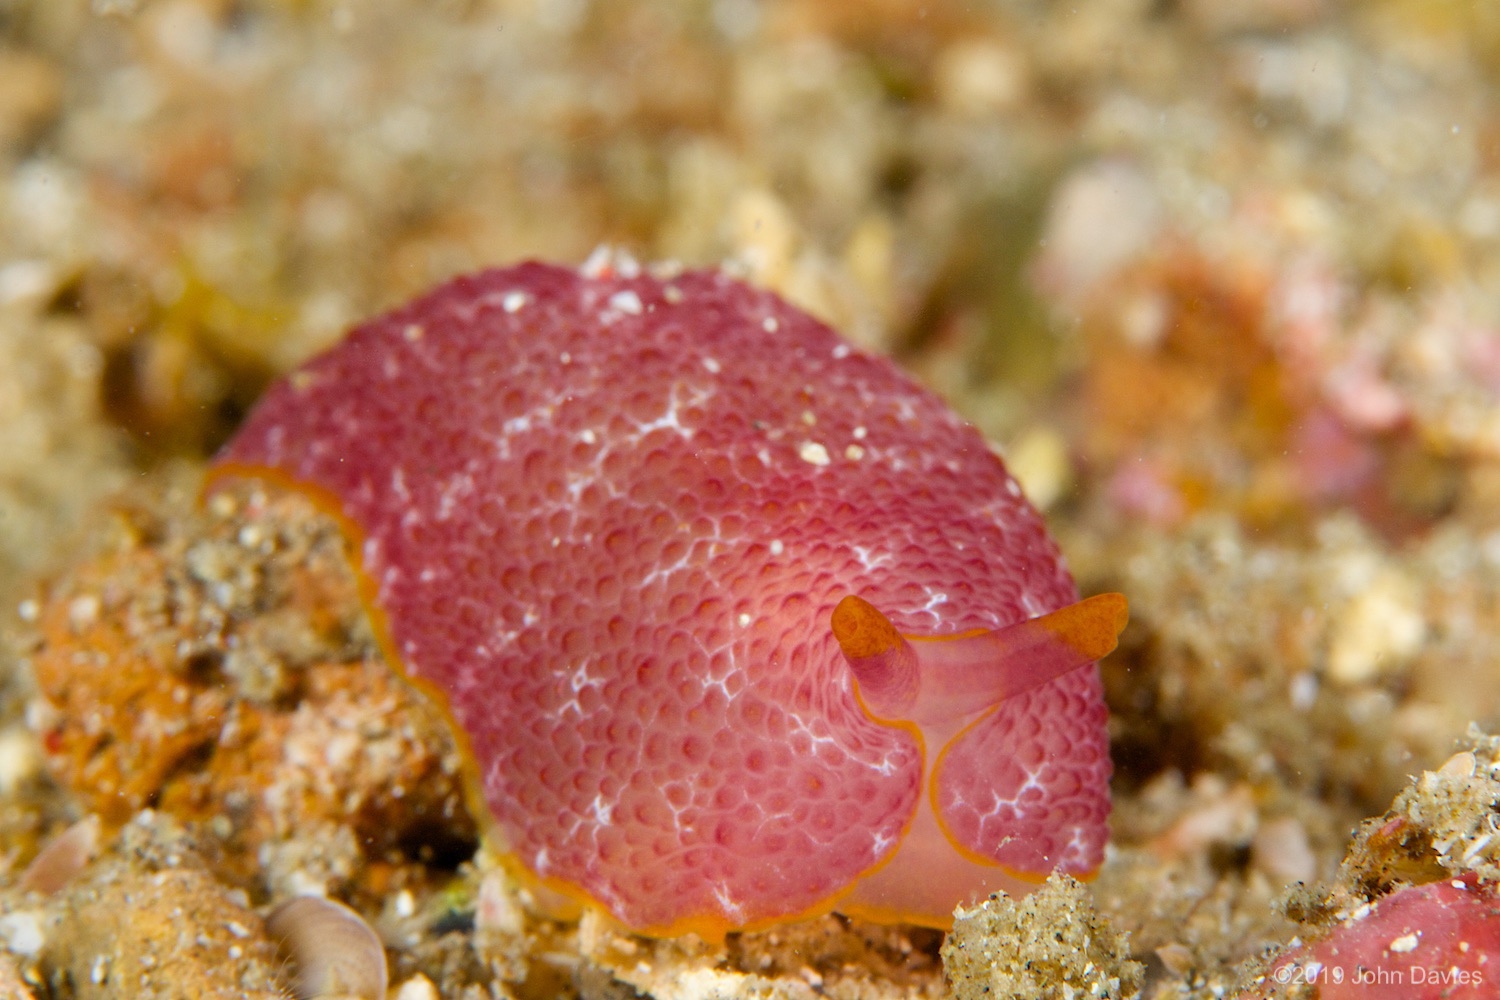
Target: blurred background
point(1220, 279)
point(1230, 254)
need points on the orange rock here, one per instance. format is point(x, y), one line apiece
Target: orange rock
point(218, 667)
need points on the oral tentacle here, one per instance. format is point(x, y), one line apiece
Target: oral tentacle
point(941, 681)
point(970, 673)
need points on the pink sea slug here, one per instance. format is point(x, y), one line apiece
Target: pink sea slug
point(1423, 942)
point(632, 531)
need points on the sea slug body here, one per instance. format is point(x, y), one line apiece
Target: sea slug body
point(738, 624)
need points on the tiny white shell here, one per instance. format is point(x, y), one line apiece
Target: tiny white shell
point(332, 949)
point(63, 858)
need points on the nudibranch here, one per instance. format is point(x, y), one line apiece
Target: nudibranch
point(737, 623)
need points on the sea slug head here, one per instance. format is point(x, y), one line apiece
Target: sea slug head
point(977, 702)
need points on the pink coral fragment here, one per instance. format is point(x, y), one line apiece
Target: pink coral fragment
point(1424, 942)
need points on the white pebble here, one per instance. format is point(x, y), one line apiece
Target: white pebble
point(20, 759)
point(626, 302)
point(1377, 631)
point(83, 611)
point(496, 910)
point(418, 987)
point(599, 263)
point(1303, 691)
point(22, 932)
point(1405, 943)
point(1280, 848)
point(813, 453)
